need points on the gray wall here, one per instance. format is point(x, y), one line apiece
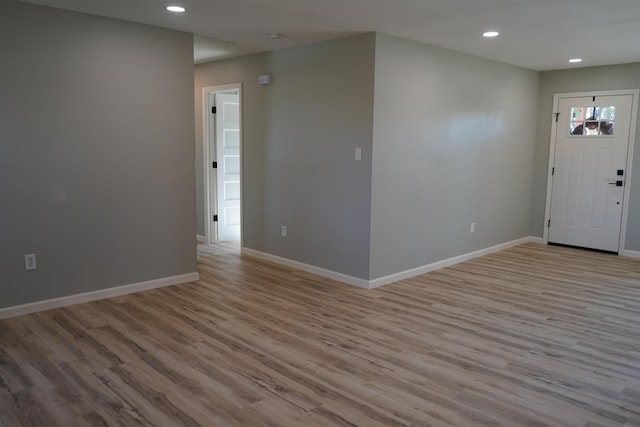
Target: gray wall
point(96, 158)
point(453, 144)
point(614, 77)
point(298, 155)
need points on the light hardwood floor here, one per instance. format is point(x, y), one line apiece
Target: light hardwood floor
point(531, 336)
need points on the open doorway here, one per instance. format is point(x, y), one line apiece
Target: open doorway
point(223, 163)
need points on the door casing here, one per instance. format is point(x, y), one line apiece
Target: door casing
point(209, 152)
point(628, 172)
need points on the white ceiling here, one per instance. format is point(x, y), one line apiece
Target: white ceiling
point(536, 34)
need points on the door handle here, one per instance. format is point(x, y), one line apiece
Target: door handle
point(617, 183)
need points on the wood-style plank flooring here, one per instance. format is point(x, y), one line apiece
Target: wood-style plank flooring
point(531, 336)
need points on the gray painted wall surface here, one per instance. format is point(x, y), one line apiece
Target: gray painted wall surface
point(299, 138)
point(96, 158)
point(453, 144)
point(614, 77)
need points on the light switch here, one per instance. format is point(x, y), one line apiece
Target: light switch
point(358, 153)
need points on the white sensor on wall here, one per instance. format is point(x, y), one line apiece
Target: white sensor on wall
point(264, 79)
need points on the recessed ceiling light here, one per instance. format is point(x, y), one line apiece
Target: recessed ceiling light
point(491, 34)
point(176, 9)
point(575, 60)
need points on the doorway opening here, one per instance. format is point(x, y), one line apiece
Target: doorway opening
point(223, 163)
point(589, 178)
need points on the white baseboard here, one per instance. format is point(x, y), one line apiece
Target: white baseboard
point(117, 291)
point(447, 262)
point(631, 254)
point(370, 284)
point(350, 280)
point(200, 237)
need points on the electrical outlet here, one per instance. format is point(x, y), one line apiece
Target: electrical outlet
point(30, 262)
point(283, 231)
point(472, 229)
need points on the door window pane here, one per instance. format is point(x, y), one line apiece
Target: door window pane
point(592, 121)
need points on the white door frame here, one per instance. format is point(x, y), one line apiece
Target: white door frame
point(209, 151)
point(552, 152)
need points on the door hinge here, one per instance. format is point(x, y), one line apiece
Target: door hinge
point(557, 115)
point(214, 165)
point(215, 218)
point(214, 110)
point(553, 171)
point(548, 223)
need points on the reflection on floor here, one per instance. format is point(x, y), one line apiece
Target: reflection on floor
point(218, 248)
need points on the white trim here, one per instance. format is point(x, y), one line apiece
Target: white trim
point(344, 278)
point(632, 139)
point(201, 237)
point(117, 291)
point(209, 202)
point(627, 178)
point(446, 263)
point(539, 240)
point(550, 164)
point(206, 107)
point(631, 254)
point(370, 284)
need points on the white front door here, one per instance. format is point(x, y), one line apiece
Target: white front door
point(228, 159)
point(589, 171)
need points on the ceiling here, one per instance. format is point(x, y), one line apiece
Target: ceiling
point(535, 34)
